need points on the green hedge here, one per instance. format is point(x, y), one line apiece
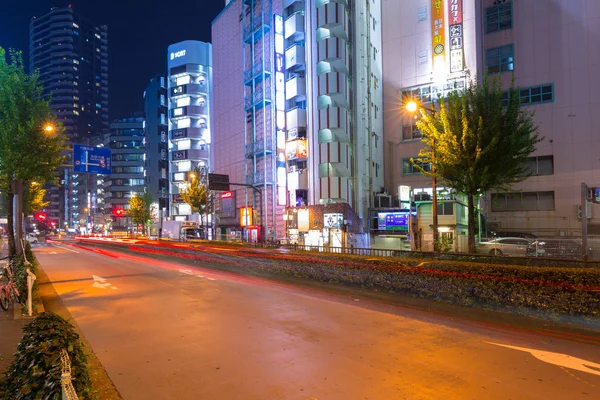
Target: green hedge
point(35, 372)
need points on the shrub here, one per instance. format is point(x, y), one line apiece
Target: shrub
point(35, 372)
point(19, 268)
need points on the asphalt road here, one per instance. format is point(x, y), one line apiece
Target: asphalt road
point(168, 331)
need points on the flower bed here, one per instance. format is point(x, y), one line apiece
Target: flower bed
point(550, 292)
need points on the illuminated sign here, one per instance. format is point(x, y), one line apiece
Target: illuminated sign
point(456, 35)
point(246, 216)
point(438, 36)
point(333, 220)
point(177, 54)
point(226, 195)
point(280, 122)
point(393, 221)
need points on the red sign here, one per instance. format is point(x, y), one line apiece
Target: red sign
point(455, 12)
point(226, 195)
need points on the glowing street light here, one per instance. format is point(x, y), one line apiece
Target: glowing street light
point(411, 106)
point(49, 128)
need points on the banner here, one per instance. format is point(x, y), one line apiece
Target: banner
point(438, 37)
point(456, 35)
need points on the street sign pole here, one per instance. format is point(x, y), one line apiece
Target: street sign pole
point(584, 195)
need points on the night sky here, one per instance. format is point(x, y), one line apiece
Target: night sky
point(139, 32)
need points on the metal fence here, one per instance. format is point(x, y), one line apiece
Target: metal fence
point(341, 250)
point(68, 391)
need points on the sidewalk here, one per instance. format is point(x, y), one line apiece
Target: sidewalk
point(10, 336)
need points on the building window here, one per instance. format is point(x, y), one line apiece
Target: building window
point(537, 94)
point(498, 17)
point(500, 59)
point(533, 95)
point(410, 132)
point(445, 208)
point(408, 168)
point(541, 165)
point(523, 201)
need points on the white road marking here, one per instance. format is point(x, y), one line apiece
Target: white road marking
point(190, 272)
point(101, 283)
point(53, 252)
point(66, 248)
point(562, 360)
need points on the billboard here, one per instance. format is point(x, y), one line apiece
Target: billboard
point(92, 160)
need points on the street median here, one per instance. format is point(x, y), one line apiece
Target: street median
point(556, 293)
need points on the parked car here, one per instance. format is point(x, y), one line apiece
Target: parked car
point(31, 238)
point(510, 246)
point(556, 248)
point(525, 235)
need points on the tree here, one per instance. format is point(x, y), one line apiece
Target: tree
point(28, 151)
point(34, 198)
point(141, 210)
point(197, 196)
point(481, 142)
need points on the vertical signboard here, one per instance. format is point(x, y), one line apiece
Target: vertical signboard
point(438, 36)
point(455, 22)
point(280, 110)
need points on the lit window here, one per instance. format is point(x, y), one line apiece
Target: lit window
point(185, 101)
point(184, 123)
point(500, 59)
point(183, 80)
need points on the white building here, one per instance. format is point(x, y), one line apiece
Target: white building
point(189, 88)
point(312, 118)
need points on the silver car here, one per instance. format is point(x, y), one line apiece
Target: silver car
point(510, 246)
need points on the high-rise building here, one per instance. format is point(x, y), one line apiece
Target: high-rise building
point(555, 73)
point(190, 91)
point(127, 178)
point(157, 147)
point(303, 108)
point(71, 55)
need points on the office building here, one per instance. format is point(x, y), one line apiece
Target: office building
point(71, 55)
point(300, 120)
point(157, 146)
point(189, 88)
point(127, 178)
point(554, 70)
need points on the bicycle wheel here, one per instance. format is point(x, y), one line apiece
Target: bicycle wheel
point(4, 299)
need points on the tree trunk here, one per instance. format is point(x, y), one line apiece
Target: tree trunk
point(471, 223)
point(10, 226)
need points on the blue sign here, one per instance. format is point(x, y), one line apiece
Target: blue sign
point(90, 159)
point(393, 221)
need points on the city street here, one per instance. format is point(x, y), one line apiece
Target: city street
point(165, 330)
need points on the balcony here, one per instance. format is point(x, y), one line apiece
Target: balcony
point(256, 73)
point(296, 123)
point(191, 154)
point(192, 111)
point(295, 58)
point(294, 27)
point(258, 149)
point(191, 133)
point(256, 28)
point(189, 89)
point(256, 100)
point(295, 88)
point(287, 3)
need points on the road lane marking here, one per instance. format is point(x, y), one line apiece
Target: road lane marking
point(66, 248)
point(190, 272)
point(100, 283)
point(561, 360)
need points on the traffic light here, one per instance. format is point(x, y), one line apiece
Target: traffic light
point(118, 212)
point(40, 216)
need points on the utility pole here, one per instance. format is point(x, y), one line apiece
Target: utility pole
point(584, 245)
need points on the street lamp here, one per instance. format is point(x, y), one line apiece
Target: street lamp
point(49, 128)
point(412, 106)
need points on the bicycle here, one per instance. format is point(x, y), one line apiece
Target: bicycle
point(8, 288)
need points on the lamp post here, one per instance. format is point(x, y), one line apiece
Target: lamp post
point(412, 107)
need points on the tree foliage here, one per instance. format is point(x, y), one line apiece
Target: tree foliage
point(141, 210)
point(481, 141)
point(196, 193)
point(34, 198)
point(27, 151)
